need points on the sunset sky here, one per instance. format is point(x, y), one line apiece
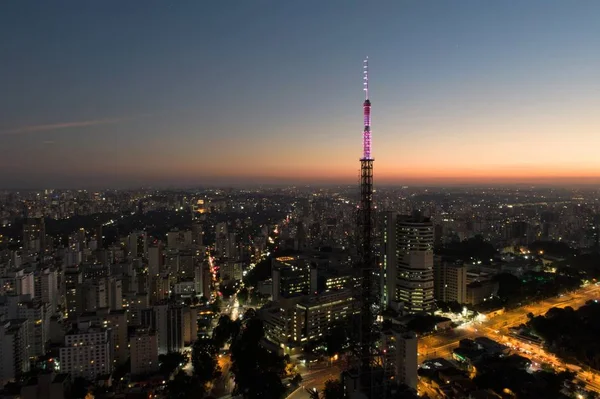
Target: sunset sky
point(129, 93)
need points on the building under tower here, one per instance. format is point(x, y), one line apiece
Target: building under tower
point(408, 262)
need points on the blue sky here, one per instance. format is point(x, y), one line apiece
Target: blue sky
point(186, 92)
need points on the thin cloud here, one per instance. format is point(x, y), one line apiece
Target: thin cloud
point(64, 125)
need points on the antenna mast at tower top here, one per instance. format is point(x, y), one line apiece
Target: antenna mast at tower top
point(366, 112)
point(366, 77)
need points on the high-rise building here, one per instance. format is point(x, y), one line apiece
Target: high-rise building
point(114, 293)
point(115, 321)
point(400, 357)
point(86, 352)
point(49, 288)
point(159, 288)
point(72, 280)
point(138, 244)
point(14, 349)
point(91, 295)
point(414, 259)
point(169, 328)
point(144, 352)
point(389, 264)
point(37, 315)
point(231, 271)
point(34, 234)
point(155, 259)
point(293, 275)
point(450, 281)
point(190, 325)
point(202, 279)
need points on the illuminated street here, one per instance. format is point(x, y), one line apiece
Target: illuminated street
point(497, 328)
point(315, 378)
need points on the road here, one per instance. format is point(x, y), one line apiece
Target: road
point(497, 328)
point(316, 378)
point(224, 384)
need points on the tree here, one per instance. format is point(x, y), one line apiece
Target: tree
point(333, 389)
point(183, 386)
point(242, 296)
point(257, 371)
point(169, 362)
point(223, 331)
point(228, 290)
point(336, 339)
point(204, 360)
point(296, 379)
point(79, 387)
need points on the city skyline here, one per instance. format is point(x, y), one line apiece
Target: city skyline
point(194, 93)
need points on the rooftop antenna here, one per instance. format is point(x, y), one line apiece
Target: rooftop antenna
point(366, 77)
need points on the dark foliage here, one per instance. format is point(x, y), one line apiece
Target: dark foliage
point(337, 338)
point(257, 371)
point(473, 249)
point(553, 248)
point(183, 386)
point(533, 286)
point(508, 373)
point(571, 334)
point(204, 360)
point(243, 296)
point(333, 389)
point(169, 362)
point(423, 324)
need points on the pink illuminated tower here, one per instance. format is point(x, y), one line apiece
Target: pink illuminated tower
point(367, 294)
point(366, 113)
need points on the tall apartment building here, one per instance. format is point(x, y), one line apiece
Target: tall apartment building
point(155, 259)
point(48, 283)
point(202, 279)
point(14, 349)
point(135, 303)
point(144, 352)
point(408, 262)
point(450, 281)
point(72, 279)
point(114, 293)
point(400, 352)
point(169, 325)
point(86, 352)
point(37, 315)
point(231, 270)
point(116, 322)
point(190, 325)
point(159, 288)
point(388, 256)
point(138, 244)
point(34, 234)
point(91, 295)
